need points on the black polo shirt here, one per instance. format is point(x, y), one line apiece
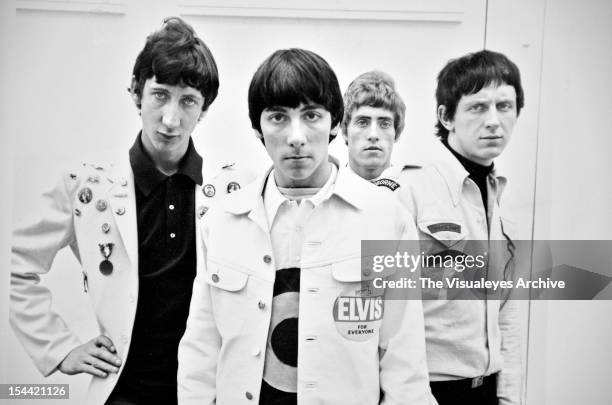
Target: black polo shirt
point(165, 208)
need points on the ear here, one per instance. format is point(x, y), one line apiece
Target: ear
point(133, 93)
point(334, 130)
point(258, 134)
point(345, 136)
point(444, 119)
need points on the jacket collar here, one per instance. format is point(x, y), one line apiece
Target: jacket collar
point(455, 175)
point(349, 187)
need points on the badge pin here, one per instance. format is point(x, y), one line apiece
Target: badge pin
point(106, 249)
point(201, 211)
point(232, 186)
point(101, 205)
point(85, 195)
point(93, 179)
point(209, 190)
point(105, 227)
point(120, 211)
point(77, 212)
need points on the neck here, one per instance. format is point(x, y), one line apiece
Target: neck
point(451, 141)
point(316, 181)
point(166, 161)
point(367, 172)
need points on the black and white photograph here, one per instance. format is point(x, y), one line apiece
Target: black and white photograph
point(327, 202)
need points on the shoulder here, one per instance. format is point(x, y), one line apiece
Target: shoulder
point(226, 178)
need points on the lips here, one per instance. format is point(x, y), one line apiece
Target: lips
point(373, 148)
point(167, 137)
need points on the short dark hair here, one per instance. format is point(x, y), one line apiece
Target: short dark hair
point(176, 56)
point(471, 73)
point(374, 89)
point(290, 77)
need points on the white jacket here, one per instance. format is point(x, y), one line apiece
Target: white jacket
point(221, 355)
point(64, 221)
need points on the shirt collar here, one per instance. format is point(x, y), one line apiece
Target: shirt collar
point(455, 174)
point(147, 176)
point(273, 198)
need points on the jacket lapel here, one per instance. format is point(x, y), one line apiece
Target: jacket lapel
point(122, 200)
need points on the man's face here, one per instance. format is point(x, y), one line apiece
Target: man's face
point(297, 141)
point(483, 123)
point(169, 115)
point(370, 135)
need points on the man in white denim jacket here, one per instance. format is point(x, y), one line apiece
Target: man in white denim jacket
point(279, 314)
point(473, 346)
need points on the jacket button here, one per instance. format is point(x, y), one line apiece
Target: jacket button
point(248, 395)
point(256, 352)
point(261, 304)
point(267, 259)
point(215, 278)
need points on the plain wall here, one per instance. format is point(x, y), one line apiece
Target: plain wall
point(67, 74)
point(570, 361)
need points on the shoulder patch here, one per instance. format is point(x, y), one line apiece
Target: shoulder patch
point(390, 184)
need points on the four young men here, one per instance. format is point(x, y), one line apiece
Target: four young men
point(292, 318)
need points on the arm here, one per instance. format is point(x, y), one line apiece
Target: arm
point(404, 378)
point(509, 384)
point(199, 348)
point(42, 332)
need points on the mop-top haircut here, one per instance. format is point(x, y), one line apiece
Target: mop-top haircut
point(471, 73)
point(176, 56)
point(290, 77)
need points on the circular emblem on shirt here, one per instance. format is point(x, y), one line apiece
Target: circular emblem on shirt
point(358, 313)
point(209, 190)
point(280, 368)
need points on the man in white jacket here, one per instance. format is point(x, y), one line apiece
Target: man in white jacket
point(132, 227)
point(279, 313)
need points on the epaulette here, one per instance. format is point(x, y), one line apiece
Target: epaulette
point(411, 167)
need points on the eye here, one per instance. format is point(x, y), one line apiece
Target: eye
point(386, 124)
point(276, 118)
point(312, 116)
point(478, 108)
point(190, 102)
point(505, 106)
point(160, 95)
point(361, 123)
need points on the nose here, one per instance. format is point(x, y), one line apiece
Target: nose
point(373, 135)
point(297, 135)
point(171, 116)
point(492, 118)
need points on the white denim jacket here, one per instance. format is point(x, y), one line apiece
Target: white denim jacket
point(221, 355)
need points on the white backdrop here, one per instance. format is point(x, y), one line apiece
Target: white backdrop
point(69, 62)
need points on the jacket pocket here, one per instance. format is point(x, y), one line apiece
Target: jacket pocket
point(229, 296)
point(358, 307)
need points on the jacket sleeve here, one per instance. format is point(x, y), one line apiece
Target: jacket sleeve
point(199, 348)
point(42, 332)
point(404, 378)
point(509, 385)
